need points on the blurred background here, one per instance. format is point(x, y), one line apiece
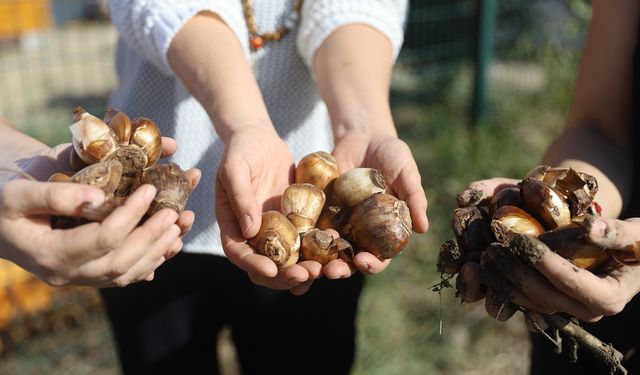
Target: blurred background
point(480, 88)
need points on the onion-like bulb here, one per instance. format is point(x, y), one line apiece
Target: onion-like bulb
point(302, 204)
point(277, 239)
point(92, 139)
point(318, 168)
point(353, 186)
point(508, 220)
point(171, 185)
point(544, 203)
point(381, 225)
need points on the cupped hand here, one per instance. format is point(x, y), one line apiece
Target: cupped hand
point(256, 168)
point(392, 156)
point(116, 252)
point(554, 284)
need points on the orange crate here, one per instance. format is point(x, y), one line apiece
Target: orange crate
point(19, 16)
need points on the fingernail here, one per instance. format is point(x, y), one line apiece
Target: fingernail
point(93, 196)
point(149, 192)
point(598, 227)
point(246, 224)
point(170, 218)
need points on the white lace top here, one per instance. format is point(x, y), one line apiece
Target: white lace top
point(149, 88)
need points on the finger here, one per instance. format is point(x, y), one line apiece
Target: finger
point(535, 321)
point(616, 234)
point(154, 255)
point(93, 240)
point(339, 269)
point(540, 289)
point(286, 278)
point(301, 288)
point(135, 257)
point(594, 295)
point(169, 146)
point(193, 178)
point(491, 186)
point(467, 284)
point(235, 182)
point(314, 269)
point(185, 222)
point(245, 258)
point(498, 308)
point(22, 197)
point(408, 187)
point(369, 264)
point(125, 218)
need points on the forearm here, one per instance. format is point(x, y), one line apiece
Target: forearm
point(207, 56)
point(584, 149)
point(15, 146)
point(353, 72)
point(597, 139)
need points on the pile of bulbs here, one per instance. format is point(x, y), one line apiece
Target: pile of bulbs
point(353, 204)
point(554, 206)
point(117, 155)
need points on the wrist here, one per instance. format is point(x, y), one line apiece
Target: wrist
point(364, 124)
point(255, 128)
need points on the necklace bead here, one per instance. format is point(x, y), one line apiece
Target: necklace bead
point(258, 40)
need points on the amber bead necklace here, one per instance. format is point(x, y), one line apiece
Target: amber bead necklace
point(258, 40)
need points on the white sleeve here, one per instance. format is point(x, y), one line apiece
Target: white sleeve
point(148, 26)
point(320, 18)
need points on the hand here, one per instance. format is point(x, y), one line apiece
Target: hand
point(256, 168)
point(554, 284)
point(115, 252)
point(393, 157)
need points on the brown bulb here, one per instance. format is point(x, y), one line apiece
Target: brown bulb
point(302, 204)
point(105, 176)
point(509, 220)
point(381, 225)
point(544, 203)
point(171, 185)
point(318, 168)
point(92, 139)
point(277, 239)
point(120, 123)
point(509, 196)
point(353, 186)
point(317, 245)
point(146, 135)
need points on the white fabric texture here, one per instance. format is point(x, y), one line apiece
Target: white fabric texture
point(149, 88)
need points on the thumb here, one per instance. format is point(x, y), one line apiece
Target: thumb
point(53, 198)
point(237, 188)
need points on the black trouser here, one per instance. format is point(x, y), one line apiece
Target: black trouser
point(170, 325)
point(622, 331)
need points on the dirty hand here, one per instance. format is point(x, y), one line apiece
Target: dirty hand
point(554, 284)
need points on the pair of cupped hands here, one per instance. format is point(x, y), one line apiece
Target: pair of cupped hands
point(554, 284)
point(256, 168)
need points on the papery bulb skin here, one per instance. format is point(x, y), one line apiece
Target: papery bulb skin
point(146, 135)
point(381, 225)
point(171, 185)
point(277, 239)
point(318, 168)
point(544, 203)
point(317, 246)
point(120, 123)
point(302, 204)
point(509, 220)
point(353, 186)
point(92, 139)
